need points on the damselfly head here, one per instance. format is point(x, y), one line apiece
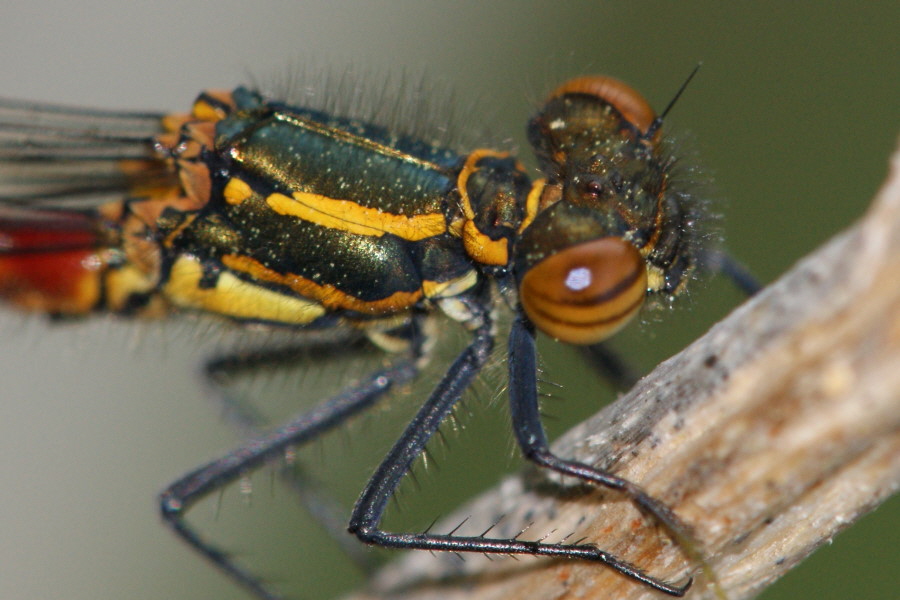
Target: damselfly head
point(609, 228)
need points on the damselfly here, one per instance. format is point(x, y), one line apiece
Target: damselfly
point(268, 214)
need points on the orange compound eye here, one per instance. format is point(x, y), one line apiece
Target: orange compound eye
point(585, 293)
point(624, 98)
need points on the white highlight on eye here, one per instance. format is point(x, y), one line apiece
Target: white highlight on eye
point(578, 279)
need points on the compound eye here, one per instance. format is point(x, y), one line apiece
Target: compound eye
point(585, 293)
point(624, 98)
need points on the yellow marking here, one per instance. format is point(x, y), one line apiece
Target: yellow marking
point(656, 278)
point(236, 191)
point(169, 240)
point(120, 284)
point(483, 249)
point(204, 111)
point(349, 216)
point(223, 96)
point(657, 229)
point(235, 298)
point(532, 202)
point(479, 246)
point(453, 287)
point(327, 295)
point(462, 180)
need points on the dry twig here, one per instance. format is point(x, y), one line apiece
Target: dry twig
point(770, 434)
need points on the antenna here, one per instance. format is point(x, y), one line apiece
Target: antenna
point(658, 121)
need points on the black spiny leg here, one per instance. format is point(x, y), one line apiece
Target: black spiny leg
point(610, 366)
point(219, 372)
point(533, 441)
point(178, 497)
point(370, 507)
point(372, 503)
point(720, 261)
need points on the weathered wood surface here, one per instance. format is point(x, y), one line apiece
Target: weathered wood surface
point(770, 434)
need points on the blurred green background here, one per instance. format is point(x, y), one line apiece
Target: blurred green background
point(793, 115)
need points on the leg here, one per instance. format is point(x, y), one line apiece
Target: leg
point(533, 441)
point(720, 261)
point(178, 497)
point(220, 372)
point(372, 503)
point(610, 366)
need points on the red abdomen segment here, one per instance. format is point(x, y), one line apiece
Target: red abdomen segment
point(51, 262)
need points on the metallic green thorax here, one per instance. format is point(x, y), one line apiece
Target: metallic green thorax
point(368, 224)
point(285, 151)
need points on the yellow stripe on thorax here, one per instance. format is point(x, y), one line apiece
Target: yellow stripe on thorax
point(327, 295)
point(233, 297)
point(346, 215)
